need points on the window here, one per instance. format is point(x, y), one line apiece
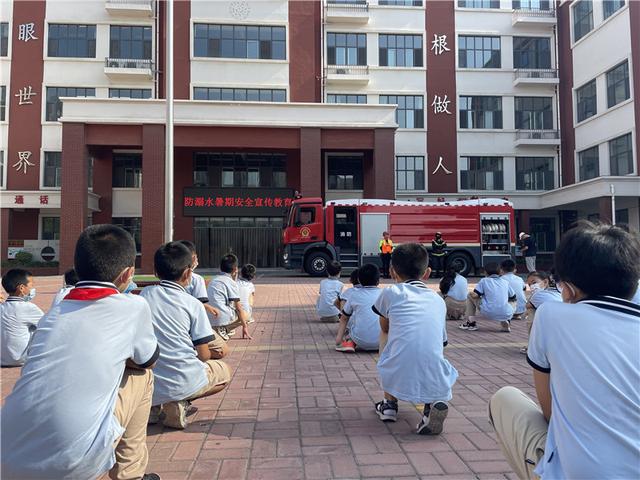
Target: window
point(531, 4)
point(480, 112)
point(611, 6)
point(400, 50)
point(346, 98)
point(582, 19)
point(3, 103)
point(346, 49)
point(305, 216)
point(543, 230)
point(478, 52)
point(621, 155)
point(622, 216)
point(479, 3)
point(54, 105)
point(130, 42)
point(52, 169)
point(133, 225)
point(73, 41)
point(586, 100)
point(401, 3)
point(50, 228)
point(240, 94)
point(231, 169)
point(129, 93)
point(410, 110)
point(481, 173)
point(239, 41)
point(534, 173)
point(618, 84)
point(409, 173)
point(531, 52)
point(1, 169)
point(4, 39)
point(345, 173)
point(534, 113)
point(127, 170)
point(588, 164)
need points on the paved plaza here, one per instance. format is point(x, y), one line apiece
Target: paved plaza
point(297, 409)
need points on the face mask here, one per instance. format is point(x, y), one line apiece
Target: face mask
point(131, 287)
point(535, 287)
point(30, 296)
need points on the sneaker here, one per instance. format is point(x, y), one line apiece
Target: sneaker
point(176, 414)
point(523, 350)
point(506, 326)
point(154, 415)
point(151, 476)
point(222, 332)
point(231, 332)
point(471, 326)
point(346, 346)
point(433, 419)
point(387, 411)
point(191, 409)
point(251, 320)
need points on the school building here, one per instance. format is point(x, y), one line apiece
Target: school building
point(532, 100)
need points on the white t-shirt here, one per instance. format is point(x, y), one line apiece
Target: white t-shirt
point(180, 323)
point(636, 298)
point(539, 297)
point(223, 292)
point(590, 350)
point(58, 422)
point(517, 285)
point(344, 295)
point(364, 323)
point(19, 319)
point(412, 366)
point(61, 294)
point(460, 289)
point(330, 289)
point(495, 293)
point(246, 288)
point(197, 288)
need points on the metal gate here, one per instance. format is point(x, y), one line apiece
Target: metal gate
point(261, 246)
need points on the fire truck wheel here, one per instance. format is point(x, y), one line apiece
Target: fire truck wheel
point(462, 261)
point(316, 264)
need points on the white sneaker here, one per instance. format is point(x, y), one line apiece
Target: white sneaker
point(176, 414)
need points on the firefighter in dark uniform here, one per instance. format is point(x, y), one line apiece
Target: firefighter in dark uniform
point(386, 247)
point(438, 252)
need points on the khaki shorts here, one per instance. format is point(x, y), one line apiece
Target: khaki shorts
point(217, 346)
point(218, 373)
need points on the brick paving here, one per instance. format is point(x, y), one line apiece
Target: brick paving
point(296, 409)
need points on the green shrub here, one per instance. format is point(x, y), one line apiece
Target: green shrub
point(24, 258)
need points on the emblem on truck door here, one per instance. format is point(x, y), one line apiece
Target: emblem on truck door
point(304, 232)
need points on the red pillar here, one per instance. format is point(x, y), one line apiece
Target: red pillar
point(310, 162)
point(103, 184)
point(153, 192)
point(4, 233)
point(74, 211)
point(604, 209)
point(383, 164)
point(305, 64)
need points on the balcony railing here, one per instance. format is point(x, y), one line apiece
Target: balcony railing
point(536, 73)
point(138, 63)
point(351, 5)
point(535, 12)
point(537, 135)
point(129, 2)
point(352, 70)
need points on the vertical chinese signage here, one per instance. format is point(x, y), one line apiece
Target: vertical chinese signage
point(24, 96)
point(441, 104)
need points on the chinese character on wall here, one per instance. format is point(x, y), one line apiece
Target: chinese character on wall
point(26, 32)
point(441, 166)
point(439, 44)
point(441, 105)
point(24, 95)
point(23, 162)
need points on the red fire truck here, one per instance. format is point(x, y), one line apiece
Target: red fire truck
point(476, 231)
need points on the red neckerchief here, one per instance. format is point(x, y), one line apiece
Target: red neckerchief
point(88, 294)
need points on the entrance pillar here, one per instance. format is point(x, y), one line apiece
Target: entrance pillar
point(4, 240)
point(604, 209)
point(381, 177)
point(153, 192)
point(310, 162)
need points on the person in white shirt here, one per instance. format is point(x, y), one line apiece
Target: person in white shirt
point(586, 367)
point(542, 289)
point(359, 324)
point(508, 272)
point(198, 288)
point(81, 405)
point(224, 296)
point(185, 370)
point(330, 288)
point(343, 296)
point(493, 298)
point(18, 316)
point(412, 367)
point(454, 288)
point(69, 282)
point(247, 290)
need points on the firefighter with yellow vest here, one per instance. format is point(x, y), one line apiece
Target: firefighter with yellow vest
point(386, 247)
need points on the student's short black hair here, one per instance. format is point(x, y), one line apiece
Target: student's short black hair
point(171, 260)
point(492, 268)
point(190, 245)
point(70, 277)
point(542, 275)
point(248, 272)
point(410, 260)
point(353, 278)
point(103, 252)
point(369, 275)
point(599, 259)
point(334, 268)
point(508, 265)
point(14, 278)
point(228, 263)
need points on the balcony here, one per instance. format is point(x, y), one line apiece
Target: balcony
point(137, 8)
point(537, 137)
point(347, 11)
point(347, 74)
point(535, 76)
point(533, 16)
point(128, 68)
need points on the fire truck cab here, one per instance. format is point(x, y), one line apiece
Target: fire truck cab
point(477, 231)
